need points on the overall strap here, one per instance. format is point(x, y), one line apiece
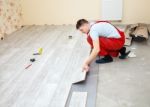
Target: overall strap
point(109, 23)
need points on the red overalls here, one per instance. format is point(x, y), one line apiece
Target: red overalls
point(109, 46)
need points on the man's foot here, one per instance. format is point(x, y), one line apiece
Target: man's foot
point(106, 59)
point(125, 55)
point(122, 51)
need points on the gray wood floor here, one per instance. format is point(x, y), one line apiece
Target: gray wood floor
point(48, 81)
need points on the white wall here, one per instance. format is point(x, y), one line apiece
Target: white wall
point(68, 11)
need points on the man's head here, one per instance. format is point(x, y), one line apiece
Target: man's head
point(83, 25)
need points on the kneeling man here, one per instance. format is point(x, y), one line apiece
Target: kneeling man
point(105, 40)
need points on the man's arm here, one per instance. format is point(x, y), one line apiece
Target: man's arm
point(93, 55)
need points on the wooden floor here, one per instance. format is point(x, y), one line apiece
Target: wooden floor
point(48, 81)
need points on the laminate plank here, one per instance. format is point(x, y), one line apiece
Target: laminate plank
point(72, 72)
point(13, 47)
point(29, 74)
point(45, 95)
point(8, 43)
point(54, 68)
point(14, 58)
point(13, 63)
point(8, 87)
point(28, 95)
point(13, 35)
point(64, 84)
point(46, 74)
point(78, 99)
point(89, 86)
point(81, 52)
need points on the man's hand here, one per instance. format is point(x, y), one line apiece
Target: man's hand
point(92, 56)
point(85, 67)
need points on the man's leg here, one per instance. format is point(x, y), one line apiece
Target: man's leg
point(104, 52)
point(109, 47)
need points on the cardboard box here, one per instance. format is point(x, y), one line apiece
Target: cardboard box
point(127, 32)
point(137, 32)
point(140, 33)
point(148, 26)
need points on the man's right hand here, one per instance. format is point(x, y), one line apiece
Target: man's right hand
point(85, 68)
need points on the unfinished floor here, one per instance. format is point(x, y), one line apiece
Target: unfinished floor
point(125, 83)
point(47, 83)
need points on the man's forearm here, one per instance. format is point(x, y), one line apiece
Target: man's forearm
point(92, 56)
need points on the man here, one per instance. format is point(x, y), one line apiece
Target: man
point(105, 40)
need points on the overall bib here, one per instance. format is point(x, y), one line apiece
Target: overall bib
point(109, 46)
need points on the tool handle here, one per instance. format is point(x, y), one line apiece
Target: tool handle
point(28, 66)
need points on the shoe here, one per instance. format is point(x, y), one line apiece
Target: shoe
point(122, 50)
point(106, 59)
point(125, 55)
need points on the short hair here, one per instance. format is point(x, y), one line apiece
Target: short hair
point(80, 23)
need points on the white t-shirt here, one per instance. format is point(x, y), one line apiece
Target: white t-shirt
point(103, 29)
